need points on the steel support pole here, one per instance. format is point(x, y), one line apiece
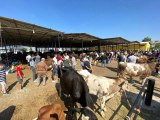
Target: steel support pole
point(136, 101)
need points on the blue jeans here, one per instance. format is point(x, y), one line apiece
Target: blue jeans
point(103, 63)
point(33, 72)
point(55, 71)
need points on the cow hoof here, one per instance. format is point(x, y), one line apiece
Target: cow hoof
point(105, 109)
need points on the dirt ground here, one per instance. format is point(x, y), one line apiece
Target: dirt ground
point(24, 104)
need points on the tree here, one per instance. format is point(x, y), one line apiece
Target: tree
point(146, 39)
point(30, 49)
point(23, 49)
point(157, 46)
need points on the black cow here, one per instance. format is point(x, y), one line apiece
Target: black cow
point(73, 84)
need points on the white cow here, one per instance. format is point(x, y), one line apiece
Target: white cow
point(104, 88)
point(136, 69)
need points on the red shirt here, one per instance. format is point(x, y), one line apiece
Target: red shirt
point(59, 57)
point(19, 71)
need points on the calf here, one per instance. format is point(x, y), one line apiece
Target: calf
point(51, 112)
point(104, 88)
point(56, 112)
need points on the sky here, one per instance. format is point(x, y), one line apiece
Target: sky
point(130, 19)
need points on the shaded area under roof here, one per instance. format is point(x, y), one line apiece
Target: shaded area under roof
point(16, 32)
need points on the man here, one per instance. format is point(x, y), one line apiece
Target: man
point(121, 57)
point(132, 58)
point(3, 79)
point(20, 75)
point(73, 61)
point(54, 69)
point(28, 57)
point(103, 59)
point(37, 58)
point(32, 67)
point(66, 60)
point(87, 65)
point(59, 59)
point(41, 70)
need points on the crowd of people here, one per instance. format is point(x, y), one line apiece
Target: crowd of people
point(39, 67)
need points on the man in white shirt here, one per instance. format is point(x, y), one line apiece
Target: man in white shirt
point(73, 61)
point(66, 57)
point(55, 59)
point(28, 58)
point(132, 58)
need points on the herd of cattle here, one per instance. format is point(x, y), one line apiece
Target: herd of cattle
point(78, 86)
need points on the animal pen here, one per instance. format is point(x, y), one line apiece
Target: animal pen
point(20, 33)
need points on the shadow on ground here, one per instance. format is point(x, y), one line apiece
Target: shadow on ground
point(11, 86)
point(7, 113)
point(26, 82)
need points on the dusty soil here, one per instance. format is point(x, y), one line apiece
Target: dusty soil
point(24, 104)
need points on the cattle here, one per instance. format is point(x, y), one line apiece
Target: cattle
point(135, 69)
point(142, 59)
point(104, 88)
point(74, 85)
point(57, 112)
point(51, 112)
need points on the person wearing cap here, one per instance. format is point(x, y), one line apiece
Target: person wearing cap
point(41, 70)
point(3, 78)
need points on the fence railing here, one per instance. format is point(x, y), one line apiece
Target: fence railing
point(144, 95)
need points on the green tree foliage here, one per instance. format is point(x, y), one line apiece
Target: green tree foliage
point(157, 46)
point(23, 49)
point(30, 49)
point(146, 39)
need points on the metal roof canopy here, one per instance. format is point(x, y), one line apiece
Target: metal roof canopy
point(78, 40)
point(114, 41)
point(21, 33)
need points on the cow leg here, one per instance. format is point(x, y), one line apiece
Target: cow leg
point(143, 81)
point(102, 102)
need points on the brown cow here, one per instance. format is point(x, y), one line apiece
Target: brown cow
point(142, 59)
point(51, 112)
